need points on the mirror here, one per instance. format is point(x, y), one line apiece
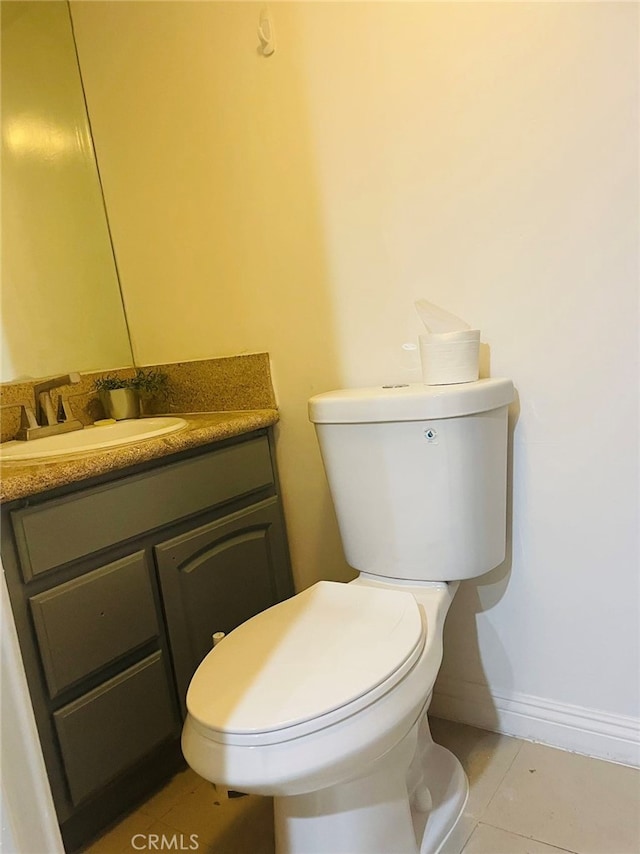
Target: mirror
point(61, 303)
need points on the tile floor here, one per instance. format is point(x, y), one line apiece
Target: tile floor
point(524, 799)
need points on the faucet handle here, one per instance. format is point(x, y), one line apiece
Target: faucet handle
point(28, 421)
point(27, 417)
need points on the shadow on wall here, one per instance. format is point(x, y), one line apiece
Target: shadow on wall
point(463, 661)
point(484, 371)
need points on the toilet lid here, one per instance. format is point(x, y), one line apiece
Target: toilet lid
point(310, 655)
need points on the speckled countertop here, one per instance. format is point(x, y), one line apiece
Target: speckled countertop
point(21, 479)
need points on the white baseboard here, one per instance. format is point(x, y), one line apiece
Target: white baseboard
point(575, 728)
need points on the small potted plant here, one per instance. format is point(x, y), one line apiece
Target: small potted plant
point(121, 396)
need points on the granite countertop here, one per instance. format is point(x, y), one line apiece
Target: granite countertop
point(21, 479)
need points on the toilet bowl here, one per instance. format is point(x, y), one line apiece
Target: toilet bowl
point(322, 743)
point(321, 701)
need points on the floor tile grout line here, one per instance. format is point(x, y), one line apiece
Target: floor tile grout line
point(529, 838)
point(502, 779)
point(476, 822)
point(174, 802)
point(470, 837)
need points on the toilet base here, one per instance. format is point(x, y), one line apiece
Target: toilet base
point(407, 803)
point(448, 789)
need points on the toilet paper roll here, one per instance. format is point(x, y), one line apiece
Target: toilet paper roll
point(450, 357)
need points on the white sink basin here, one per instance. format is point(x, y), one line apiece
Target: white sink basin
point(91, 438)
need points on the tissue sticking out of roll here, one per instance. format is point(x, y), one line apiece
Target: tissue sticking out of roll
point(450, 351)
point(438, 320)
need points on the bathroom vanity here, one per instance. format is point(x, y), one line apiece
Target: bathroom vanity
point(117, 584)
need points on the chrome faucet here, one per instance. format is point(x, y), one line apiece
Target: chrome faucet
point(47, 418)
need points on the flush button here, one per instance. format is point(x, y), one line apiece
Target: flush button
point(431, 435)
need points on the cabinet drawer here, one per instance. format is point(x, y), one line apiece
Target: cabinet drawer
point(106, 731)
point(65, 529)
point(88, 622)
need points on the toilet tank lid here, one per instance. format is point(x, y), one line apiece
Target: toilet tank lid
point(410, 402)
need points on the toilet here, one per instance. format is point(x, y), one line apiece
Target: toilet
point(321, 701)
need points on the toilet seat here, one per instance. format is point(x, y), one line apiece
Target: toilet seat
point(306, 663)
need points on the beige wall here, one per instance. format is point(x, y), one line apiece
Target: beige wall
point(210, 180)
point(483, 156)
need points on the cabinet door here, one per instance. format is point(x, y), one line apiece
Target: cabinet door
point(218, 576)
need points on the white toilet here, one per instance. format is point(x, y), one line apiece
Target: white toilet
point(321, 700)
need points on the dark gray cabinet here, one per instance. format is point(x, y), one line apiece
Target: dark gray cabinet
point(94, 619)
point(116, 590)
point(107, 730)
point(217, 576)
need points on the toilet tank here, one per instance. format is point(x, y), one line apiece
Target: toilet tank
point(418, 476)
